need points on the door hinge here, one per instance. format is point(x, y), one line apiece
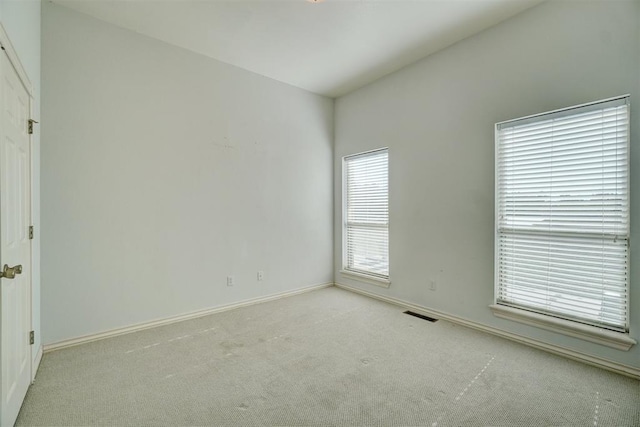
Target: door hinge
point(30, 126)
point(32, 337)
point(31, 232)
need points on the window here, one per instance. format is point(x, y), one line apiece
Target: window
point(562, 214)
point(366, 214)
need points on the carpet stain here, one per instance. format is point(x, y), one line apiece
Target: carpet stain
point(230, 345)
point(179, 338)
point(461, 394)
point(286, 337)
point(612, 403)
point(151, 345)
point(146, 347)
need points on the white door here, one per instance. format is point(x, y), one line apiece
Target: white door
point(15, 247)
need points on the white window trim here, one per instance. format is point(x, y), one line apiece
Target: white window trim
point(617, 340)
point(368, 278)
point(614, 339)
point(361, 276)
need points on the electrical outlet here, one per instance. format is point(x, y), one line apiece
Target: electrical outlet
point(229, 280)
point(432, 285)
point(260, 275)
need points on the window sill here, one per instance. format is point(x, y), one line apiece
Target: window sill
point(593, 334)
point(378, 281)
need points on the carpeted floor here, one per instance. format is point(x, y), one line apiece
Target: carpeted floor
point(328, 357)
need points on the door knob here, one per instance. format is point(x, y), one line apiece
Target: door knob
point(10, 272)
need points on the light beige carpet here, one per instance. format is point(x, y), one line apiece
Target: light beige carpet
point(328, 357)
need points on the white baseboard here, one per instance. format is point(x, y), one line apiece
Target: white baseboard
point(36, 364)
point(174, 319)
point(619, 368)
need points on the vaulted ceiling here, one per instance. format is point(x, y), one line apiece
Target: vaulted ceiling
point(329, 47)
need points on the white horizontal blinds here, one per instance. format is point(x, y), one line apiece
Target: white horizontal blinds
point(367, 213)
point(563, 213)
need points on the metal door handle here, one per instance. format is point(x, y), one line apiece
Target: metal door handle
point(10, 272)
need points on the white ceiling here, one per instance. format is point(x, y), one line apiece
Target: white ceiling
point(331, 47)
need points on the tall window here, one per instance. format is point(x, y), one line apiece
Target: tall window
point(562, 182)
point(366, 218)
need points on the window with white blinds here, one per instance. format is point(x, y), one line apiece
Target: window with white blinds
point(562, 184)
point(366, 217)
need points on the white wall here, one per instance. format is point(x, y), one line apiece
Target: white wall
point(163, 172)
point(437, 118)
point(21, 20)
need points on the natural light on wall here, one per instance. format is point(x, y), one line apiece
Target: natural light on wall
point(562, 214)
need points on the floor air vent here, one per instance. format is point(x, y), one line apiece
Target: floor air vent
point(421, 316)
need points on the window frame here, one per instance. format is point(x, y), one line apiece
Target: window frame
point(360, 275)
point(594, 333)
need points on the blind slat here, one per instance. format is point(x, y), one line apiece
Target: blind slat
point(562, 217)
point(367, 213)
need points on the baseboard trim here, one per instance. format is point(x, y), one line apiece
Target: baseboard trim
point(36, 363)
point(174, 319)
point(619, 368)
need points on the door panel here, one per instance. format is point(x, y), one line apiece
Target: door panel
point(15, 246)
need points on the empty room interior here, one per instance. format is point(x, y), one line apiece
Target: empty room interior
point(320, 212)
